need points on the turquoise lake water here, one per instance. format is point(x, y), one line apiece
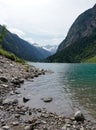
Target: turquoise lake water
point(72, 87)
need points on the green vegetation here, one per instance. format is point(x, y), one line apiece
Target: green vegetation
point(80, 51)
point(6, 53)
point(80, 43)
point(11, 56)
point(91, 60)
point(2, 35)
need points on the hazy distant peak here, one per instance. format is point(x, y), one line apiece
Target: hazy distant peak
point(50, 48)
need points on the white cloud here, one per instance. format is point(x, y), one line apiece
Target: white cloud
point(26, 2)
point(2, 21)
point(17, 31)
point(42, 19)
point(57, 40)
point(30, 40)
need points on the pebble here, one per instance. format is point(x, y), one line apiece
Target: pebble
point(79, 116)
point(11, 93)
point(5, 127)
point(3, 79)
point(26, 118)
point(5, 85)
point(15, 123)
point(28, 127)
point(2, 120)
point(17, 115)
point(47, 99)
point(64, 127)
point(25, 99)
point(10, 101)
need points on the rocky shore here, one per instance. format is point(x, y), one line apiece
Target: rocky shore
point(14, 116)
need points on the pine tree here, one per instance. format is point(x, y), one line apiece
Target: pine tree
point(2, 35)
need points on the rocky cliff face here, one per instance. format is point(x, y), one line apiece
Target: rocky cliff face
point(80, 43)
point(84, 26)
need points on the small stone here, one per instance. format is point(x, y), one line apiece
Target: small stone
point(44, 122)
point(2, 121)
point(28, 127)
point(3, 79)
point(39, 110)
point(1, 107)
point(11, 65)
point(6, 127)
point(47, 99)
point(25, 99)
point(32, 120)
point(17, 92)
point(82, 128)
point(30, 113)
point(68, 125)
point(64, 127)
point(68, 121)
point(17, 115)
point(15, 123)
point(21, 81)
point(15, 81)
point(5, 85)
point(1, 71)
point(11, 93)
point(79, 116)
point(10, 101)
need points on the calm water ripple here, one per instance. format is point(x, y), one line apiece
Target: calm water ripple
point(72, 86)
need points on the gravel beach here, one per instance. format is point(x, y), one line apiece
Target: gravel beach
point(14, 116)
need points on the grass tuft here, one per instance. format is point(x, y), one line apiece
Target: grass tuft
point(11, 56)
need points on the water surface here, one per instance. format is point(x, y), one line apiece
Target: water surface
point(72, 86)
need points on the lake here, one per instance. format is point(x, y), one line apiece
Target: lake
point(72, 87)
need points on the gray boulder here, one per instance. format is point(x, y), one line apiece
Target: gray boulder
point(79, 116)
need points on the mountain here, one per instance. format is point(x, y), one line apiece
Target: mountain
point(80, 43)
point(43, 50)
point(21, 48)
point(50, 48)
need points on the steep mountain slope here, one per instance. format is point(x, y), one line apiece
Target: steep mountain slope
point(80, 43)
point(22, 48)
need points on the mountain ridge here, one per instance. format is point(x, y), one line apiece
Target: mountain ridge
point(21, 48)
point(80, 41)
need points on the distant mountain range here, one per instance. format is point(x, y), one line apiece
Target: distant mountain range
point(80, 43)
point(50, 48)
point(23, 49)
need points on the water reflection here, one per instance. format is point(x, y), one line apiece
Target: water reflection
point(78, 81)
point(81, 81)
point(71, 86)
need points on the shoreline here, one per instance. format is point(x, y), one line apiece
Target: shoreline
point(13, 116)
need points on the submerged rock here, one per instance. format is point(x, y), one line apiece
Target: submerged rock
point(47, 99)
point(25, 99)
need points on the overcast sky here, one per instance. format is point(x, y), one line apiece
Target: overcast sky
point(41, 21)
